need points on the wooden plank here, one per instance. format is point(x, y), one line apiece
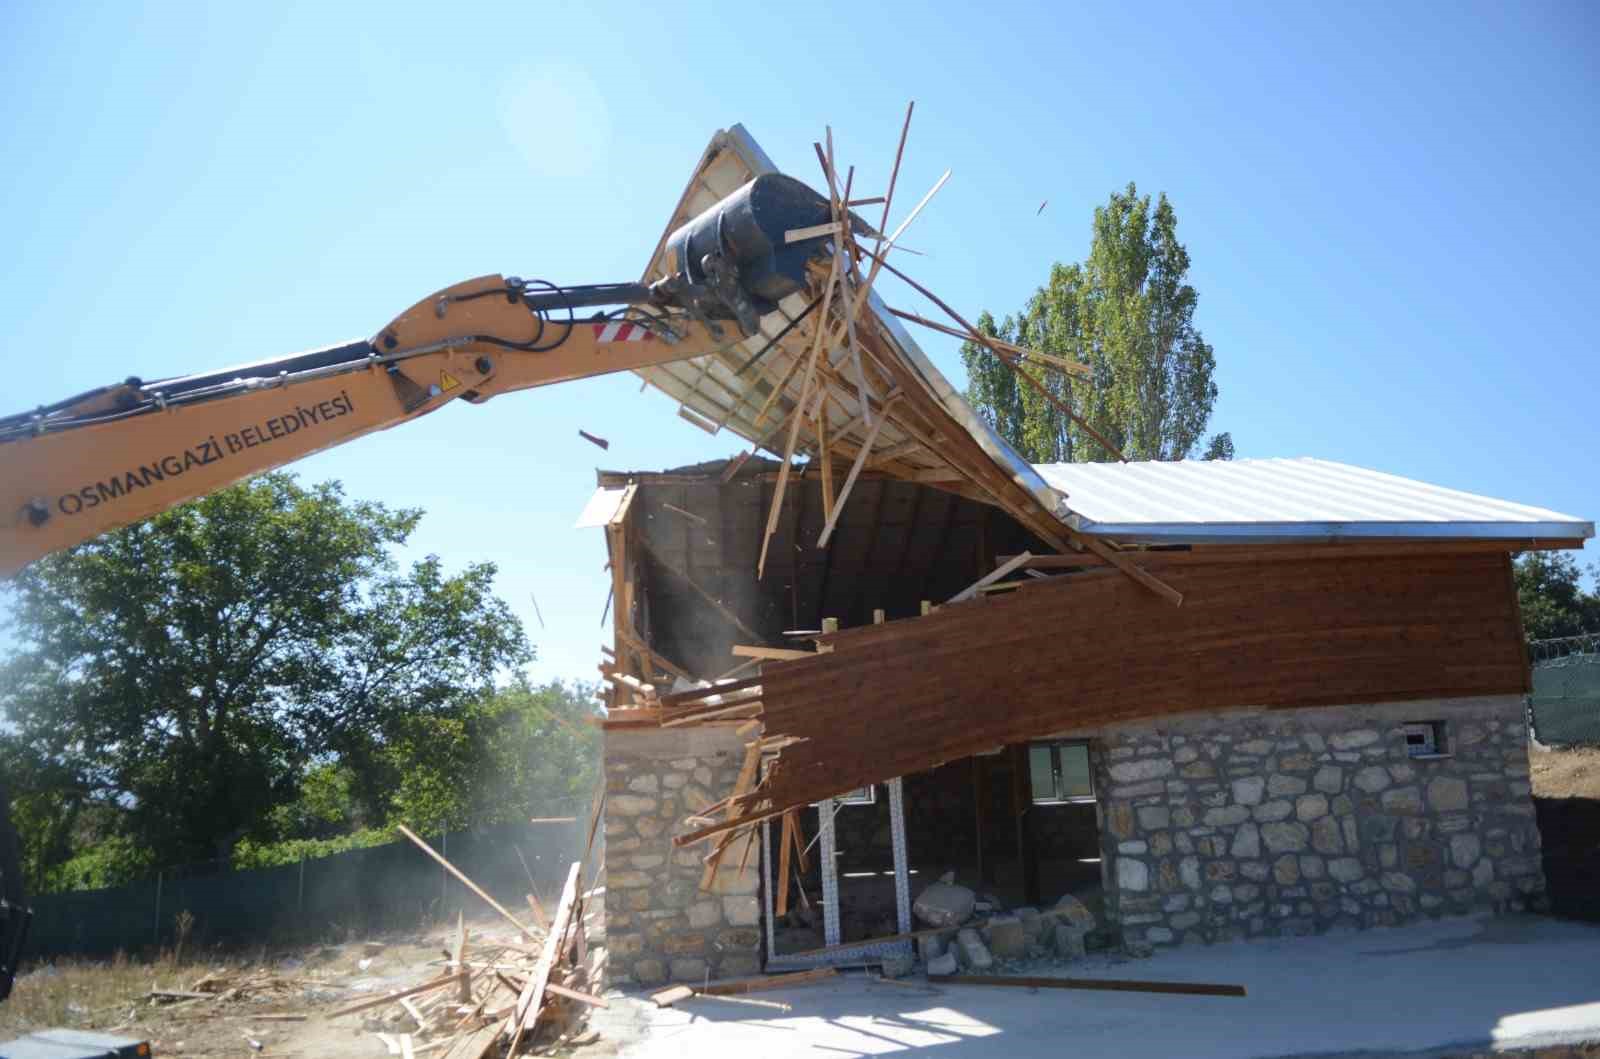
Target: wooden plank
point(741, 709)
point(468, 883)
point(667, 997)
point(850, 479)
point(1070, 366)
point(532, 998)
point(740, 986)
point(1117, 985)
point(776, 654)
point(795, 235)
point(821, 328)
point(574, 994)
point(390, 998)
point(991, 577)
point(785, 840)
point(689, 695)
point(741, 786)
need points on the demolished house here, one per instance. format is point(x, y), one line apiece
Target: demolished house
point(1152, 704)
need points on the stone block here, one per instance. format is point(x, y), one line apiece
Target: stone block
point(741, 911)
point(1132, 874)
point(1246, 842)
point(1329, 779)
point(739, 965)
point(690, 969)
point(1354, 740)
point(684, 943)
point(631, 804)
point(1403, 800)
point(932, 946)
point(1139, 771)
point(945, 964)
point(974, 954)
point(1326, 837)
point(1227, 816)
point(648, 783)
point(1285, 837)
point(649, 972)
point(1074, 914)
point(1309, 807)
point(1154, 817)
point(898, 966)
point(1286, 870)
point(1398, 882)
point(1447, 794)
point(944, 905)
point(1372, 779)
point(1007, 939)
point(1279, 785)
point(1069, 943)
point(704, 914)
point(1277, 809)
point(1248, 790)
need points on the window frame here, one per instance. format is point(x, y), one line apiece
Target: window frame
point(867, 795)
point(1438, 733)
point(1057, 773)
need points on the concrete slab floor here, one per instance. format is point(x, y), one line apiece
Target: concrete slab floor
point(1438, 988)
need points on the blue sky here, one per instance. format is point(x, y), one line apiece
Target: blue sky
point(1390, 210)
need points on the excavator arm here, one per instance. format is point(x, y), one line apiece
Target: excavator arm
point(73, 470)
point(117, 455)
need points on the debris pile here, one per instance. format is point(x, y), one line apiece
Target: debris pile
point(497, 996)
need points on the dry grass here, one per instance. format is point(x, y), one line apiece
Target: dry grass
point(89, 994)
point(1570, 773)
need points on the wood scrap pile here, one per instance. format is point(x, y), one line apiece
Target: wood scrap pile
point(497, 997)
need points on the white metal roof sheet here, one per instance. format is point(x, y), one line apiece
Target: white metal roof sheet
point(1302, 499)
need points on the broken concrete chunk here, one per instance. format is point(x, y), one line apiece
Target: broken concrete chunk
point(1033, 924)
point(898, 966)
point(1007, 939)
point(1069, 942)
point(931, 946)
point(1073, 913)
point(974, 953)
point(944, 905)
point(945, 964)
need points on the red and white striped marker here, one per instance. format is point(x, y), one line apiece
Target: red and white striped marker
point(617, 331)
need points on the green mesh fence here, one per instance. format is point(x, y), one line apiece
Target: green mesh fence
point(357, 893)
point(1565, 703)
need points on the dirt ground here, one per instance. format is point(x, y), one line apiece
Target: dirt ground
point(1573, 773)
point(282, 1003)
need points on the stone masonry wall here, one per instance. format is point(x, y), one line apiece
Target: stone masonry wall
point(1264, 823)
point(660, 926)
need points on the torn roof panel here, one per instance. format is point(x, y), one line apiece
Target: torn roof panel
point(713, 389)
point(1300, 499)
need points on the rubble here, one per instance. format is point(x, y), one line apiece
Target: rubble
point(944, 904)
point(973, 952)
point(1006, 936)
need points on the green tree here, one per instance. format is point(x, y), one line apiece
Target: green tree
point(1127, 312)
point(1551, 594)
point(178, 676)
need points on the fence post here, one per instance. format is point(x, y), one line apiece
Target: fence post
point(444, 876)
point(158, 909)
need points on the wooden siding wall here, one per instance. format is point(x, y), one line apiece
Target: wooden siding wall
point(1096, 648)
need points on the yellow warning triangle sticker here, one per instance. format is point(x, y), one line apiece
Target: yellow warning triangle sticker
point(447, 382)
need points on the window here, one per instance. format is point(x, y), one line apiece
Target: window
point(860, 796)
point(1425, 739)
point(1059, 773)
